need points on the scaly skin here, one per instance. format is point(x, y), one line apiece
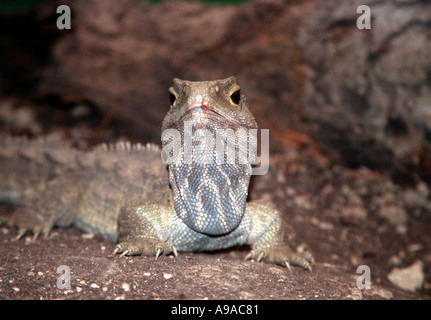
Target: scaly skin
point(206, 209)
point(54, 185)
point(125, 193)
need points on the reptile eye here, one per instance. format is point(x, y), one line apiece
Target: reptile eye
point(235, 97)
point(172, 98)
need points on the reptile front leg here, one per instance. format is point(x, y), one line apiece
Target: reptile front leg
point(143, 230)
point(267, 239)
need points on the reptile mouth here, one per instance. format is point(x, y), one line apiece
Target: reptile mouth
point(207, 111)
point(202, 108)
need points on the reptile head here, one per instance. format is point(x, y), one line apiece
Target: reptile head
point(222, 97)
point(210, 175)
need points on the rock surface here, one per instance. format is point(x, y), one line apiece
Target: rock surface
point(410, 278)
point(365, 95)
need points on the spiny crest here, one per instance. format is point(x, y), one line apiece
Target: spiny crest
point(127, 146)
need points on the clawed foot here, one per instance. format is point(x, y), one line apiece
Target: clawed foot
point(145, 247)
point(282, 255)
point(29, 223)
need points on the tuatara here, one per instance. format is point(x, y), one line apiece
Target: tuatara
point(188, 196)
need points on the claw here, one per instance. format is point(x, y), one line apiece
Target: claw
point(303, 260)
point(251, 256)
point(286, 263)
point(248, 256)
point(307, 264)
point(124, 253)
point(118, 250)
point(174, 251)
point(282, 255)
point(158, 252)
point(35, 235)
point(21, 233)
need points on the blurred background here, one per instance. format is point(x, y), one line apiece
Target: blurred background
point(363, 95)
point(356, 103)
